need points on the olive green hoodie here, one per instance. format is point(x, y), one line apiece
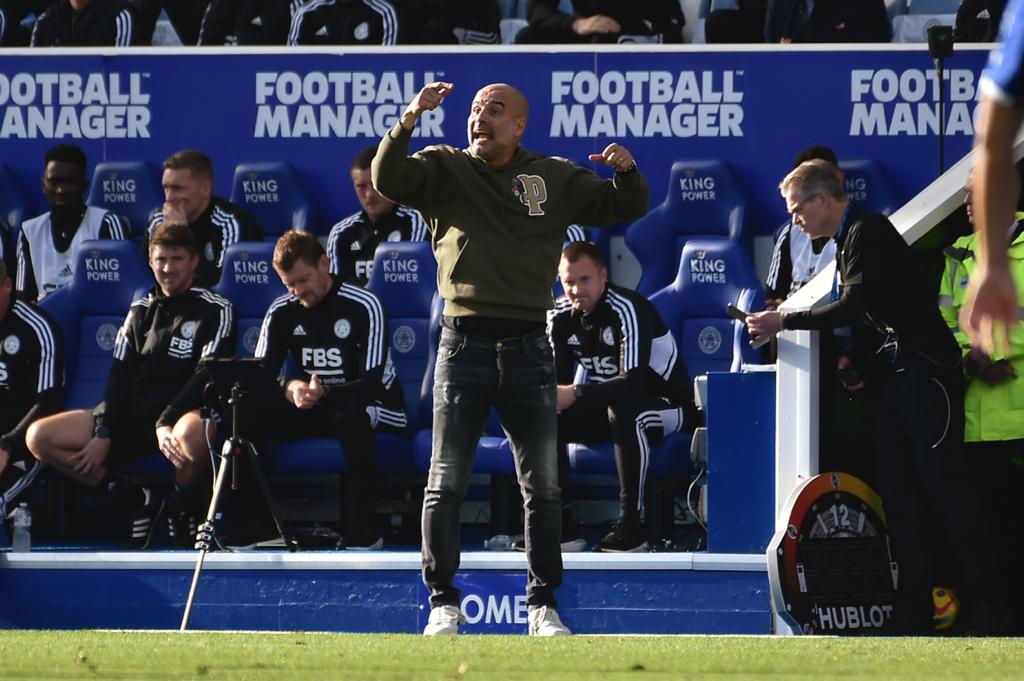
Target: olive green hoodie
point(497, 233)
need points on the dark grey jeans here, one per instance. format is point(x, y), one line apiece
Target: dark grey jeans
point(517, 377)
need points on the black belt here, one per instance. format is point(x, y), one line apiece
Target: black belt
point(493, 328)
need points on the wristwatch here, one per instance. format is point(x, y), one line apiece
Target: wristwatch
point(99, 429)
point(577, 390)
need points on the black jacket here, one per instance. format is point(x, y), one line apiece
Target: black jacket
point(881, 287)
point(831, 21)
point(31, 372)
point(157, 350)
point(101, 23)
point(352, 241)
point(247, 22)
point(352, 22)
point(640, 17)
point(17, 18)
point(625, 349)
point(221, 224)
point(343, 340)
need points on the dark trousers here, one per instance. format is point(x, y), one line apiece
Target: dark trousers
point(517, 377)
point(924, 478)
point(347, 420)
point(633, 426)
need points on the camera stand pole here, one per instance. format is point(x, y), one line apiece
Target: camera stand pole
point(234, 449)
point(939, 63)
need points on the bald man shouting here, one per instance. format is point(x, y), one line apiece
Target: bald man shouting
point(497, 214)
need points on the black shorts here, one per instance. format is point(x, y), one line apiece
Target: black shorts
point(134, 439)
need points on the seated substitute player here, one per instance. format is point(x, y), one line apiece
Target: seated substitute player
point(352, 241)
point(31, 384)
point(163, 337)
point(217, 223)
point(335, 333)
point(48, 243)
point(634, 391)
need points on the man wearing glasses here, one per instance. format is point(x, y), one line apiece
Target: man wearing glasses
point(910, 365)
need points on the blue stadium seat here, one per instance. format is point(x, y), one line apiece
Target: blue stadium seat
point(404, 278)
point(273, 194)
point(130, 189)
point(723, 4)
point(669, 458)
point(109, 275)
point(516, 9)
point(868, 187)
point(932, 6)
point(250, 282)
point(704, 201)
point(712, 273)
point(12, 209)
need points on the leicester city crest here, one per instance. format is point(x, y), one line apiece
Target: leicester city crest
point(342, 328)
point(105, 336)
point(250, 338)
point(403, 338)
point(709, 340)
point(11, 345)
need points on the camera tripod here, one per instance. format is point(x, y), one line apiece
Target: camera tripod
point(235, 448)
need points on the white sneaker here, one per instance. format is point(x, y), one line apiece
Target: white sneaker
point(544, 621)
point(444, 620)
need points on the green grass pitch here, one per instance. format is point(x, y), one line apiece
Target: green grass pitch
point(254, 656)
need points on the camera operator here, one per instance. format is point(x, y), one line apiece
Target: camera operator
point(910, 364)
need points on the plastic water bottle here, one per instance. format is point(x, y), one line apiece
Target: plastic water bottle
point(22, 528)
point(499, 542)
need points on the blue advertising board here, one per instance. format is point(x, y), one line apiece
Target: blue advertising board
point(316, 110)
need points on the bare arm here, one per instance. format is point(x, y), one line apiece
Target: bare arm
point(991, 305)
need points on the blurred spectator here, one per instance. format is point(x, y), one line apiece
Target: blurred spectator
point(17, 17)
point(86, 23)
point(352, 241)
point(248, 22)
point(827, 21)
point(463, 22)
point(604, 21)
point(745, 24)
point(186, 17)
point(977, 21)
point(188, 199)
point(48, 243)
point(352, 22)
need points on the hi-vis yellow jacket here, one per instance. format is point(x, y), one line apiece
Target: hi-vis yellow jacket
point(993, 412)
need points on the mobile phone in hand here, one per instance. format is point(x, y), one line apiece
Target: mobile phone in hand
point(735, 312)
